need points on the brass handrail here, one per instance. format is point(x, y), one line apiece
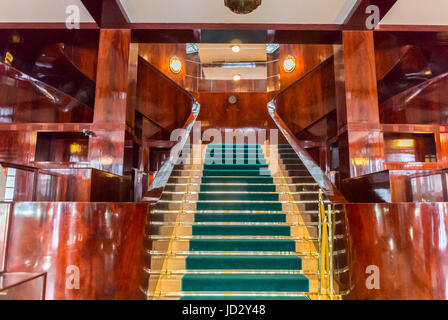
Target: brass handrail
point(325, 252)
point(162, 176)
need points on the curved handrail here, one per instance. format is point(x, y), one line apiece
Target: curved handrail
point(161, 179)
point(330, 191)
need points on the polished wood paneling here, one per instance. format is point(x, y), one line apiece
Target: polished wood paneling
point(26, 99)
point(248, 112)
point(422, 104)
point(397, 186)
point(307, 56)
point(103, 240)
point(112, 77)
point(159, 55)
point(106, 151)
point(57, 69)
point(17, 146)
point(360, 77)
point(160, 99)
point(106, 147)
point(22, 286)
point(308, 99)
point(407, 242)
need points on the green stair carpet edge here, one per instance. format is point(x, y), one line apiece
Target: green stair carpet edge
point(233, 262)
point(243, 206)
point(280, 245)
point(239, 196)
point(240, 217)
point(245, 282)
point(246, 230)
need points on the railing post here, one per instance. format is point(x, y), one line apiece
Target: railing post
point(319, 288)
point(330, 249)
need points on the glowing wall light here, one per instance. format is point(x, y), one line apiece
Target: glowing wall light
point(175, 65)
point(236, 49)
point(236, 77)
point(289, 64)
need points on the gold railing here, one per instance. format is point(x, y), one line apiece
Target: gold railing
point(325, 252)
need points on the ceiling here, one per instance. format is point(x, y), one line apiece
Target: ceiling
point(40, 11)
point(209, 53)
point(404, 12)
point(418, 12)
point(214, 11)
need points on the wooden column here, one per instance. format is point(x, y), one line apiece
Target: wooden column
point(361, 141)
point(114, 100)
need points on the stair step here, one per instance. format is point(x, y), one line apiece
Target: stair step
point(234, 166)
point(247, 180)
point(246, 230)
point(245, 282)
point(242, 187)
point(242, 245)
point(236, 173)
point(265, 206)
point(244, 262)
point(239, 196)
point(239, 217)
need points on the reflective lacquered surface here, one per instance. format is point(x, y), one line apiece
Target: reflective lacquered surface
point(26, 99)
point(407, 242)
point(22, 286)
point(103, 240)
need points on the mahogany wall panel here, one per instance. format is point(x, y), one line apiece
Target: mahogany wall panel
point(360, 77)
point(425, 103)
point(112, 77)
point(26, 99)
point(159, 55)
point(308, 99)
point(17, 146)
point(250, 111)
point(161, 99)
point(103, 240)
point(407, 242)
point(307, 58)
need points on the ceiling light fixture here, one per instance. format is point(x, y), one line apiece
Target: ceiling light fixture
point(175, 65)
point(236, 77)
point(236, 49)
point(242, 6)
point(289, 64)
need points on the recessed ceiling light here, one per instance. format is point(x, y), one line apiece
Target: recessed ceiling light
point(175, 65)
point(289, 64)
point(236, 49)
point(236, 77)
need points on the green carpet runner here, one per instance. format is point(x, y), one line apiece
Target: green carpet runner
point(238, 205)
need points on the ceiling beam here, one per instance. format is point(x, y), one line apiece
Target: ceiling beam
point(356, 20)
point(108, 14)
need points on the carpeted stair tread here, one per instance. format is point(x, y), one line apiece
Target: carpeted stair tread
point(224, 166)
point(236, 173)
point(240, 217)
point(239, 196)
point(245, 282)
point(254, 206)
point(239, 188)
point(257, 180)
point(245, 230)
point(242, 245)
point(233, 262)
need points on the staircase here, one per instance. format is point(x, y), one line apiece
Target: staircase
point(235, 227)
